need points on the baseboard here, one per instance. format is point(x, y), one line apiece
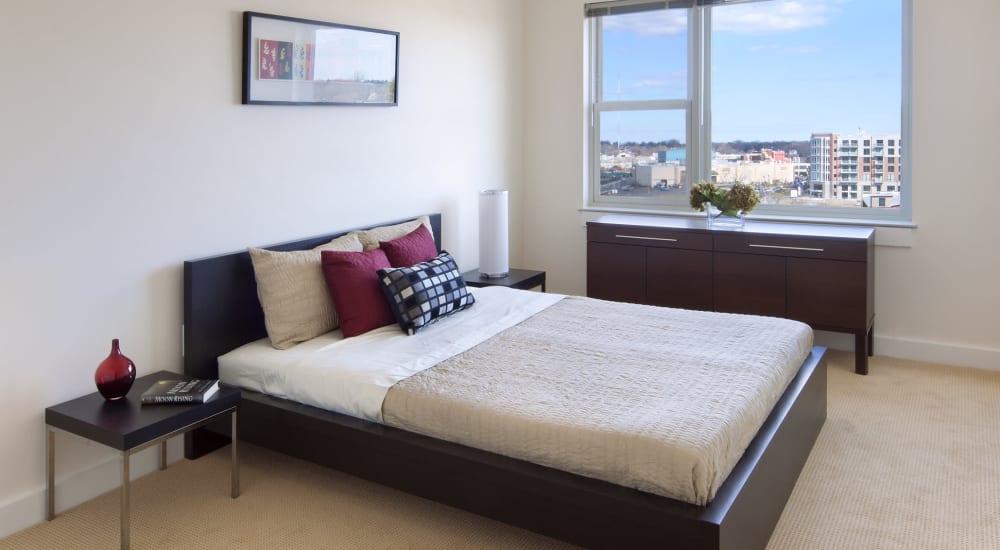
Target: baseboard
point(77, 487)
point(938, 352)
point(919, 350)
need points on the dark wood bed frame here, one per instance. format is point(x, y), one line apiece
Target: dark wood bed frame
point(222, 312)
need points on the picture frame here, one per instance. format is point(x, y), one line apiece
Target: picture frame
point(292, 61)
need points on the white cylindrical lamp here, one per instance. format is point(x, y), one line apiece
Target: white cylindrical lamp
point(493, 205)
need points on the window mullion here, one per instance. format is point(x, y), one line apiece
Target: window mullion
point(705, 94)
point(596, 96)
point(700, 141)
point(691, 160)
point(906, 180)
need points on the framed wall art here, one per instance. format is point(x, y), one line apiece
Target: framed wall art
point(290, 61)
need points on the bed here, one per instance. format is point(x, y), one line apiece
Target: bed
point(222, 313)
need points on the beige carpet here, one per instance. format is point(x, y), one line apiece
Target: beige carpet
point(909, 458)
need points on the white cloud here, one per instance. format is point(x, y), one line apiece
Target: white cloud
point(671, 80)
point(656, 23)
point(770, 18)
point(774, 48)
point(802, 49)
point(652, 83)
point(751, 18)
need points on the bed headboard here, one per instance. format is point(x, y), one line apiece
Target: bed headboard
point(221, 309)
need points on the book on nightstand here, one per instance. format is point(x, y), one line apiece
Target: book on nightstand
point(179, 391)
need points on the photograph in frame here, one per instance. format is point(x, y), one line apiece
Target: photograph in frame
point(291, 61)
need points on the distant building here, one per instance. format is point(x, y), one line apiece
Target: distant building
point(672, 155)
point(772, 155)
point(820, 165)
point(850, 166)
point(664, 176)
point(880, 200)
point(753, 172)
point(764, 155)
point(621, 159)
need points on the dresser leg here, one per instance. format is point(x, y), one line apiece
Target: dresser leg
point(861, 343)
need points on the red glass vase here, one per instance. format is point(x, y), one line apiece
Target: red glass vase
point(115, 374)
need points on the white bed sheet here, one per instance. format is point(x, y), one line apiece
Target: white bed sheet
point(352, 375)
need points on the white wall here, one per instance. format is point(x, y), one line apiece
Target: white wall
point(125, 151)
point(936, 299)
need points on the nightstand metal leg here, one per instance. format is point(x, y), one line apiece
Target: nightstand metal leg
point(163, 455)
point(124, 512)
point(50, 473)
point(234, 443)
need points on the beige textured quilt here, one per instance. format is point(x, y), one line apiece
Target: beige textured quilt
point(657, 399)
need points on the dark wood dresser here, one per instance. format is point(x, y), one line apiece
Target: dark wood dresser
point(823, 275)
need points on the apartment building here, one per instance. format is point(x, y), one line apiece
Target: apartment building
point(856, 167)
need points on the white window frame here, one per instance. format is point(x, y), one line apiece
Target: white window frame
point(599, 105)
point(698, 124)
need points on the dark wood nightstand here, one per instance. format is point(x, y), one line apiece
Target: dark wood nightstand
point(130, 427)
point(524, 279)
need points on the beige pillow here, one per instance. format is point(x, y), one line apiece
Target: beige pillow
point(293, 293)
point(371, 237)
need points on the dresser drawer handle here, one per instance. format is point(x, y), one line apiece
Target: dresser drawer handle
point(802, 248)
point(645, 238)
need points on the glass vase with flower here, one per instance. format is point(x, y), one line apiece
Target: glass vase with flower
point(724, 207)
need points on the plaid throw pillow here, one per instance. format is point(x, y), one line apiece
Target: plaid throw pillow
point(424, 292)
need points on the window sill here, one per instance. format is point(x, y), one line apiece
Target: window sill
point(888, 233)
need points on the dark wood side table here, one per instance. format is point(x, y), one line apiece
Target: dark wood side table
point(129, 427)
point(524, 279)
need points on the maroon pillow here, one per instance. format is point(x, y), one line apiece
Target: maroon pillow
point(357, 296)
point(415, 247)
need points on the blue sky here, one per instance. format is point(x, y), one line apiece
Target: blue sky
point(781, 70)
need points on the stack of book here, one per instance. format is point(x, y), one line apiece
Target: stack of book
point(179, 391)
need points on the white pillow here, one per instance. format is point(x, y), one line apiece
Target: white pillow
point(293, 293)
point(371, 237)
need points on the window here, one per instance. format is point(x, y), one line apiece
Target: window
point(717, 92)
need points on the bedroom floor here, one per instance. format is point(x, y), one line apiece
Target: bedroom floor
point(908, 458)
